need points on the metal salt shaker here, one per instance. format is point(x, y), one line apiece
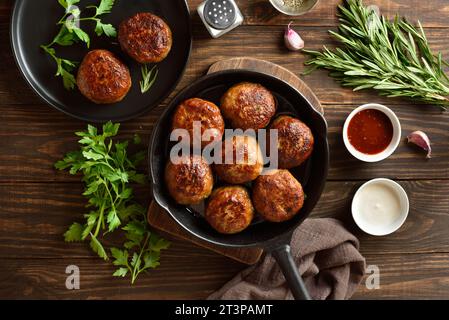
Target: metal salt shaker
point(220, 16)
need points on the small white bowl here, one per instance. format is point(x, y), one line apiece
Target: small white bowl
point(363, 199)
point(394, 141)
point(307, 6)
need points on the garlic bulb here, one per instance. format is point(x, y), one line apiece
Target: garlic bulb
point(422, 140)
point(292, 39)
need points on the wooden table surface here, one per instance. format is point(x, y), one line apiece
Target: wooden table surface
point(37, 203)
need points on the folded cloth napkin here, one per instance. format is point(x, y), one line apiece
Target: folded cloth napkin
point(327, 257)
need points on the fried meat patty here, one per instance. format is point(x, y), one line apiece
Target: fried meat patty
point(145, 37)
point(277, 196)
point(229, 209)
point(103, 78)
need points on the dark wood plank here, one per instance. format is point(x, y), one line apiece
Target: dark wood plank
point(190, 273)
point(424, 231)
point(28, 152)
point(198, 273)
point(262, 42)
point(408, 276)
point(407, 162)
point(34, 217)
point(431, 13)
point(37, 215)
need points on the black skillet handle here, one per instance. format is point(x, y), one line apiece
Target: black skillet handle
point(284, 258)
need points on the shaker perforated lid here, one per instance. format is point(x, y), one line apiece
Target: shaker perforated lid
point(219, 14)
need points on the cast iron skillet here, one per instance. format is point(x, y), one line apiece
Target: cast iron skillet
point(274, 237)
point(33, 23)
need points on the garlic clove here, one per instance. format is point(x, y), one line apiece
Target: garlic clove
point(292, 39)
point(422, 140)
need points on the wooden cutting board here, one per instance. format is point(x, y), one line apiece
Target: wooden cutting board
point(161, 220)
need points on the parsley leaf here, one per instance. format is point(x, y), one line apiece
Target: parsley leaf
point(74, 233)
point(107, 29)
point(101, 28)
point(137, 139)
point(113, 220)
point(80, 34)
point(157, 243)
point(109, 129)
point(64, 37)
point(120, 272)
point(121, 257)
point(98, 247)
point(104, 7)
point(151, 259)
point(64, 68)
point(68, 3)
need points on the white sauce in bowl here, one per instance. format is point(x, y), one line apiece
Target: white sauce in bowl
point(380, 207)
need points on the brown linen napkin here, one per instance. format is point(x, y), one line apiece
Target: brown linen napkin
point(327, 257)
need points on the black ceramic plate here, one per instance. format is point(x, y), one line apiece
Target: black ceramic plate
point(312, 174)
point(34, 23)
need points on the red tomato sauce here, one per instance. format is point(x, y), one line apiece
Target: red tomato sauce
point(370, 131)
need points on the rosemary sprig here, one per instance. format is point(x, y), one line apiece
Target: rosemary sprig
point(392, 57)
point(148, 77)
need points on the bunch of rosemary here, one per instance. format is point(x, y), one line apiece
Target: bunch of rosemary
point(392, 57)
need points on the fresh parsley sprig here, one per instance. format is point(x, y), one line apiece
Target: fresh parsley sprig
point(392, 57)
point(70, 32)
point(148, 77)
point(64, 68)
point(107, 171)
point(103, 28)
point(142, 251)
